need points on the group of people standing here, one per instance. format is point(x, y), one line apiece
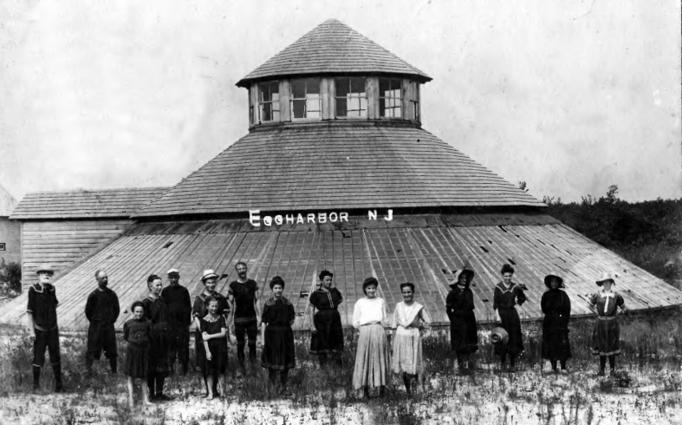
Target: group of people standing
point(157, 335)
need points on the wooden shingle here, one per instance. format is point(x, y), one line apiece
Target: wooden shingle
point(333, 48)
point(108, 203)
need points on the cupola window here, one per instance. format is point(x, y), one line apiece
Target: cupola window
point(305, 98)
point(390, 98)
point(351, 97)
point(268, 101)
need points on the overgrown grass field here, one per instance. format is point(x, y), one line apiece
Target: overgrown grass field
point(652, 357)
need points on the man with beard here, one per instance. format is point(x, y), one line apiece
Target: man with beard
point(243, 297)
point(102, 310)
point(179, 305)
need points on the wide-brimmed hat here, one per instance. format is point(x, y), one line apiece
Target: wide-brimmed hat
point(209, 274)
point(604, 277)
point(173, 271)
point(499, 336)
point(45, 268)
point(469, 274)
point(549, 277)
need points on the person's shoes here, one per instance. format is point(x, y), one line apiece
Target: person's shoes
point(162, 397)
point(601, 372)
point(564, 371)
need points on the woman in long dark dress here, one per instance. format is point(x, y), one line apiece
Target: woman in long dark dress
point(556, 306)
point(507, 295)
point(200, 309)
point(327, 333)
point(278, 348)
point(213, 334)
point(156, 312)
point(606, 335)
point(459, 306)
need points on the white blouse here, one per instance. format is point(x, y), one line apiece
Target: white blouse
point(369, 310)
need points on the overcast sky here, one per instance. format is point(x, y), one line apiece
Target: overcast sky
point(570, 96)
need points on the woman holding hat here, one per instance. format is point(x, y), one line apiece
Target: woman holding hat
point(327, 333)
point(507, 295)
point(278, 338)
point(409, 320)
point(605, 338)
point(199, 311)
point(556, 307)
point(459, 306)
point(371, 356)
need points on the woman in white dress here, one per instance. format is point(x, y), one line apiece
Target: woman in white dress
point(371, 356)
point(409, 320)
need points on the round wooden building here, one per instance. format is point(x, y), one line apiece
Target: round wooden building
point(337, 173)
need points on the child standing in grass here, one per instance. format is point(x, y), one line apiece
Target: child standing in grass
point(136, 332)
point(606, 335)
point(213, 334)
point(278, 350)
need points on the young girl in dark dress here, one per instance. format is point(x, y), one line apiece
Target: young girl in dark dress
point(137, 333)
point(278, 349)
point(200, 309)
point(459, 306)
point(507, 295)
point(557, 309)
point(327, 333)
point(156, 312)
point(213, 334)
point(606, 336)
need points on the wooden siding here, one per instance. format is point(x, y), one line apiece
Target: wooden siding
point(425, 253)
point(337, 165)
point(333, 47)
point(63, 243)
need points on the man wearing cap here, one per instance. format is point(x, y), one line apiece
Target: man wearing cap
point(243, 297)
point(179, 305)
point(42, 319)
point(102, 310)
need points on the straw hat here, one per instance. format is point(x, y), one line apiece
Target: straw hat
point(173, 271)
point(209, 274)
point(499, 336)
point(45, 268)
point(604, 277)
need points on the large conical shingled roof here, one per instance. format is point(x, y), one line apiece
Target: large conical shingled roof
point(333, 48)
point(337, 166)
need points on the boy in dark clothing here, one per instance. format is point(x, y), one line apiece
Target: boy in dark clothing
point(179, 305)
point(243, 297)
point(102, 310)
point(42, 319)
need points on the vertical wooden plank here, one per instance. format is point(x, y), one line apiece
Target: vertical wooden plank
point(327, 98)
point(372, 87)
point(408, 106)
point(253, 104)
point(284, 101)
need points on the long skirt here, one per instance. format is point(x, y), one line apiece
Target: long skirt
point(605, 337)
point(278, 350)
point(329, 333)
point(371, 357)
point(464, 334)
point(218, 363)
point(137, 361)
point(555, 343)
point(512, 324)
point(158, 350)
point(407, 351)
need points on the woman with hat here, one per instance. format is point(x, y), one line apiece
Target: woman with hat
point(371, 356)
point(605, 338)
point(556, 307)
point(327, 333)
point(156, 311)
point(199, 311)
point(459, 306)
point(409, 320)
point(507, 295)
point(278, 338)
